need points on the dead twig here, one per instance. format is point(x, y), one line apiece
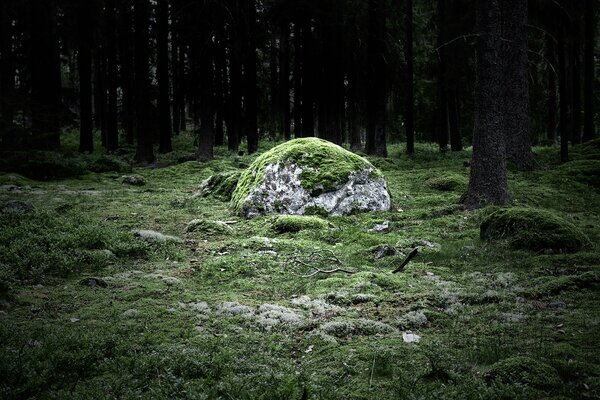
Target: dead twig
point(333, 271)
point(409, 257)
point(314, 259)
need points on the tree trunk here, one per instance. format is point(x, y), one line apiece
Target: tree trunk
point(564, 104)
point(589, 131)
point(7, 70)
point(442, 97)
point(127, 79)
point(297, 79)
point(221, 85)
point(145, 151)
point(410, 97)
point(376, 90)
point(44, 66)
point(284, 79)
point(234, 131)
point(308, 76)
point(100, 90)
point(516, 84)
point(576, 77)
point(454, 129)
point(162, 71)
point(84, 65)
point(250, 93)
point(487, 183)
point(552, 97)
point(112, 130)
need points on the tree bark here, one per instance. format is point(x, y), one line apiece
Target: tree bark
point(84, 65)
point(162, 70)
point(376, 91)
point(576, 83)
point(44, 66)
point(297, 79)
point(516, 84)
point(550, 51)
point(250, 93)
point(410, 97)
point(112, 130)
point(126, 72)
point(442, 97)
point(565, 103)
point(7, 69)
point(145, 152)
point(589, 131)
point(488, 183)
point(308, 76)
point(284, 79)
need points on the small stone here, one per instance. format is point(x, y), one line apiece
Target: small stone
point(383, 227)
point(131, 313)
point(171, 281)
point(410, 337)
point(93, 282)
point(134, 180)
point(383, 250)
point(557, 304)
point(153, 236)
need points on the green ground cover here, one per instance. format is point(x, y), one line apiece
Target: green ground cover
point(232, 308)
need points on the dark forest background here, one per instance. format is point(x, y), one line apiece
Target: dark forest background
point(239, 71)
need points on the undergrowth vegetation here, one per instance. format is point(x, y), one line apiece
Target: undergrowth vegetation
point(111, 290)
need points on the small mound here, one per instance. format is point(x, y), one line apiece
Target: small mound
point(310, 174)
point(208, 227)
point(583, 171)
point(446, 183)
point(297, 223)
point(532, 229)
point(220, 185)
point(361, 326)
point(525, 371)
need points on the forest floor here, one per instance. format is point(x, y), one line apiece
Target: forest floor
point(229, 311)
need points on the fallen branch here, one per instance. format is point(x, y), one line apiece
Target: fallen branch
point(409, 257)
point(333, 271)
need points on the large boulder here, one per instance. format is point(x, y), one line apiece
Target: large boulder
point(310, 175)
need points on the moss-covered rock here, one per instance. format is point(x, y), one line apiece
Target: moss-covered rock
point(220, 185)
point(310, 173)
point(447, 182)
point(297, 223)
point(525, 371)
point(533, 229)
point(208, 227)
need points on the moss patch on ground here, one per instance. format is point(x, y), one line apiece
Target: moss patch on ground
point(533, 229)
point(234, 315)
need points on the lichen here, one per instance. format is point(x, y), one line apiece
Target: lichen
point(533, 229)
point(328, 165)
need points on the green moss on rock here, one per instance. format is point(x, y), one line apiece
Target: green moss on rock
point(447, 182)
point(533, 229)
point(525, 371)
point(328, 166)
point(297, 223)
point(220, 185)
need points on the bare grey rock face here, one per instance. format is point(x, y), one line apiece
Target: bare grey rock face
point(282, 192)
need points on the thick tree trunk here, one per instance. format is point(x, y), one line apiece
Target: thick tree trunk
point(442, 97)
point(564, 105)
point(454, 128)
point(410, 97)
point(376, 90)
point(589, 131)
point(250, 92)
point(297, 79)
point(488, 184)
point(308, 76)
point(44, 67)
point(112, 130)
point(126, 72)
point(550, 51)
point(145, 151)
point(7, 69)
point(516, 84)
point(221, 85)
point(100, 90)
point(234, 131)
point(576, 84)
point(274, 111)
point(284, 79)
point(162, 70)
point(84, 65)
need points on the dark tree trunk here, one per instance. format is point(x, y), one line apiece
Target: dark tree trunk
point(516, 84)
point(44, 66)
point(376, 90)
point(576, 84)
point(145, 151)
point(442, 96)
point(250, 92)
point(162, 71)
point(552, 97)
point(274, 111)
point(84, 65)
point(454, 129)
point(354, 97)
point(175, 82)
point(589, 131)
point(100, 90)
point(126, 73)
point(284, 79)
point(112, 130)
point(221, 85)
point(297, 79)
point(564, 104)
point(488, 184)
point(410, 97)
point(234, 131)
point(308, 76)
point(7, 68)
